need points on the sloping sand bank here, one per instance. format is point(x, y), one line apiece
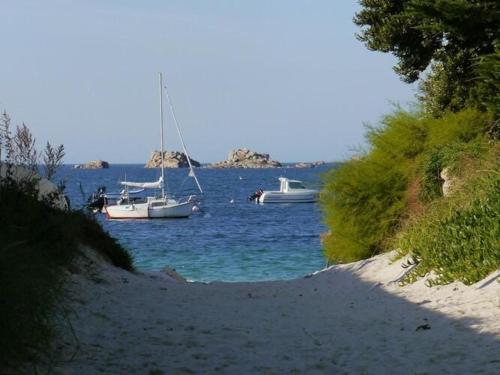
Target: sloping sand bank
point(347, 319)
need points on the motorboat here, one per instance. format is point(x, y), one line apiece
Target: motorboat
point(161, 205)
point(291, 191)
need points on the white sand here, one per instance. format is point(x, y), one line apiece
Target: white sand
point(347, 319)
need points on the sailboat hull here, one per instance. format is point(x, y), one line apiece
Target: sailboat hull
point(171, 211)
point(149, 211)
point(127, 211)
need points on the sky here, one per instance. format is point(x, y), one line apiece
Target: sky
point(287, 77)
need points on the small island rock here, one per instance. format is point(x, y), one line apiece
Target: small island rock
point(309, 165)
point(245, 158)
point(171, 159)
point(94, 164)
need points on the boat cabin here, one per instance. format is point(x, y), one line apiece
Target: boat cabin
point(287, 185)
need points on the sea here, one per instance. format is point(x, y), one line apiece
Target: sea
point(230, 239)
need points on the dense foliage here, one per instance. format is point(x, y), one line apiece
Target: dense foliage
point(367, 200)
point(450, 36)
point(486, 94)
point(392, 196)
point(458, 238)
point(37, 245)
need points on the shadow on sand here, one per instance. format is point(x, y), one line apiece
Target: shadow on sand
point(330, 323)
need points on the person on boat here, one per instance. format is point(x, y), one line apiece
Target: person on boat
point(255, 196)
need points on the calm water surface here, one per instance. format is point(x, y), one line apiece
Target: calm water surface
point(226, 241)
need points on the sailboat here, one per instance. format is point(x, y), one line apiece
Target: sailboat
point(162, 206)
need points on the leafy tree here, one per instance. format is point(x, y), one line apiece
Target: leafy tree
point(450, 35)
point(487, 91)
point(447, 86)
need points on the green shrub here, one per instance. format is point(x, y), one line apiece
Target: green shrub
point(456, 156)
point(366, 200)
point(37, 242)
point(364, 205)
point(458, 238)
point(463, 126)
point(400, 136)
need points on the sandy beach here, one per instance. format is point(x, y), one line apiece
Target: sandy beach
point(346, 319)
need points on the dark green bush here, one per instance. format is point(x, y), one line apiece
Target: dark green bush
point(487, 91)
point(458, 238)
point(37, 242)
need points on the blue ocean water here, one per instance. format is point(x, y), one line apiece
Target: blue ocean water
point(239, 241)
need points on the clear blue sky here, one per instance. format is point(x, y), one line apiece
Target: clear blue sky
point(285, 77)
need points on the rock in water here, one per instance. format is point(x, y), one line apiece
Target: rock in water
point(171, 272)
point(309, 165)
point(245, 158)
point(94, 164)
point(171, 159)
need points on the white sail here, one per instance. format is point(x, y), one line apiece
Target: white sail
point(144, 185)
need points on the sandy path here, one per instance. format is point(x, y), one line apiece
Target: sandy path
point(348, 319)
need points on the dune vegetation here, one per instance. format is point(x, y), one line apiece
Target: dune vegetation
point(38, 242)
point(392, 195)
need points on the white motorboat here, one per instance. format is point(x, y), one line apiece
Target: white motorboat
point(291, 191)
point(158, 206)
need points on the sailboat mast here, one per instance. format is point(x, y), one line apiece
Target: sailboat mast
point(161, 137)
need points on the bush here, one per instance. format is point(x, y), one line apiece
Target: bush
point(366, 200)
point(457, 238)
point(37, 243)
point(457, 157)
point(463, 126)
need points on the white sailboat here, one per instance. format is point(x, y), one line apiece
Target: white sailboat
point(161, 206)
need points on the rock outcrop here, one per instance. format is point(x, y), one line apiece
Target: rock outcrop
point(245, 158)
point(94, 164)
point(172, 273)
point(47, 190)
point(309, 165)
point(449, 182)
point(171, 159)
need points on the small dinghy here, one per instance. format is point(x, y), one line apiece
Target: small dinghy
point(291, 191)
